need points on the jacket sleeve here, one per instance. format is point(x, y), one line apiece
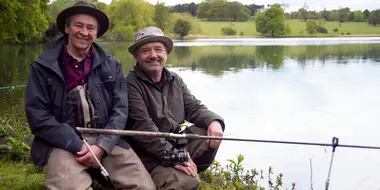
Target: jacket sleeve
point(41, 122)
point(195, 111)
point(139, 119)
point(119, 114)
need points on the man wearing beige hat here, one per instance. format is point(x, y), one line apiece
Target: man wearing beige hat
point(74, 83)
point(159, 101)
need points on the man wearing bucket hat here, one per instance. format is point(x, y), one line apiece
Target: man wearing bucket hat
point(75, 83)
point(159, 100)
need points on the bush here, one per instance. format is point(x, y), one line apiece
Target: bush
point(311, 27)
point(336, 30)
point(241, 33)
point(228, 31)
point(322, 29)
point(182, 27)
point(235, 176)
point(348, 33)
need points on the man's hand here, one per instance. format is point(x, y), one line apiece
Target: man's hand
point(85, 157)
point(215, 129)
point(190, 169)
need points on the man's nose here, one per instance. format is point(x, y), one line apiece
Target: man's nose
point(153, 53)
point(84, 31)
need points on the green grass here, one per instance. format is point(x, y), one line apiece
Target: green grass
point(25, 176)
point(298, 28)
point(214, 28)
point(15, 175)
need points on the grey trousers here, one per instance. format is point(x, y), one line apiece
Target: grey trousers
point(169, 178)
point(123, 165)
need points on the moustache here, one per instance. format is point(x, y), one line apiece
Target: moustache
point(153, 59)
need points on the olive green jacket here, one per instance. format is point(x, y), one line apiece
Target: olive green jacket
point(162, 109)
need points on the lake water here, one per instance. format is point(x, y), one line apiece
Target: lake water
point(273, 89)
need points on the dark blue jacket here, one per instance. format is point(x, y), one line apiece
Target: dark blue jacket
point(47, 109)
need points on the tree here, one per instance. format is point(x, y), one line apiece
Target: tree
point(203, 9)
point(22, 21)
point(374, 17)
point(194, 21)
point(128, 16)
point(182, 8)
point(302, 13)
point(237, 11)
point(351, 16)
point(182, 27)
point(366, 14)
point(253, 8)
point(327, 15)
point(271, 22)
point(343, 15)
point(358, 16)
point(161, 16)
point(311, 27)
point(217, 10)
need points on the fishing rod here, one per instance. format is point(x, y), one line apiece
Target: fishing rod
point(103, 170)
point(12, 86)
point(334, 144)
point(196, 136)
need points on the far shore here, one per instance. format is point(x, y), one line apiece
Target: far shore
point(190, 37)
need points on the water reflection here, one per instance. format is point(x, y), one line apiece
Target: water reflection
point(210, 60)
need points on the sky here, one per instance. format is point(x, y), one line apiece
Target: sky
point(294, 4)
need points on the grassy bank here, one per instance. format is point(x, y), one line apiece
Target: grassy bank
point(213, 29)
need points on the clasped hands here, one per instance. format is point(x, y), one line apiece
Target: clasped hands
point(85, 157)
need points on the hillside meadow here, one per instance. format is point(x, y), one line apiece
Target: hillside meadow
point(248, 29)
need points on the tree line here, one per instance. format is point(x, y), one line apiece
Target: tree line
point(342, 15)
point(34, 20)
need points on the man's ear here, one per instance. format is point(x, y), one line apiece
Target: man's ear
point(67, 29)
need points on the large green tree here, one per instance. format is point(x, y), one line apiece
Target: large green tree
point(271, 22)
point(161, 16)
point(237, 11)
point(128, 16)
point(22, 21)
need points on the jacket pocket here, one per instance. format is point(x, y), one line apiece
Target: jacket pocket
point(55, 91)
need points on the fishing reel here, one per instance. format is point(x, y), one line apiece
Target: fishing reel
point(179, 154)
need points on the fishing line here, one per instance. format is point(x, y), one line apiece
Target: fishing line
point(12, 86)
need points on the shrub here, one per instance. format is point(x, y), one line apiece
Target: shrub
point(322, 29)
point(336, 30)
point(234, 176)
point(228, 31)
point(182, 27)
point(241, 33)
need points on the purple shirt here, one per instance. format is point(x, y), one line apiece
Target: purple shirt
point(76, 73)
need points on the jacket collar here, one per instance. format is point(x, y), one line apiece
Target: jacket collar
point(50, 58)
point(142, 75)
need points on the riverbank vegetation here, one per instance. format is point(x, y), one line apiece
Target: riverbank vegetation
point(34, 21)
point(18, 172)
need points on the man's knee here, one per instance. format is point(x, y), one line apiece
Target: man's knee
point(168, 178)
point(64, 172)
point(127, 171)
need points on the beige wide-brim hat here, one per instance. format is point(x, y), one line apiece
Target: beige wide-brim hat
point(84, 7)
point(150, 34)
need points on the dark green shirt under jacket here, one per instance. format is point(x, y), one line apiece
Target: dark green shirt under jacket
point(162, 107)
